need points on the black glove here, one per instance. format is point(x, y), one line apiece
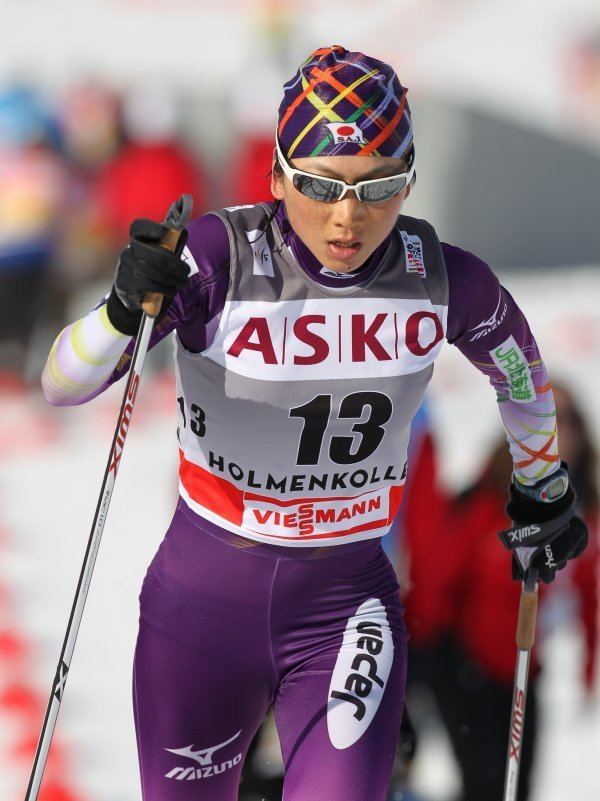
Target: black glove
point(145, 266)
point(547, 532)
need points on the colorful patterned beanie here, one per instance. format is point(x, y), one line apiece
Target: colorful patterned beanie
point(344, 104)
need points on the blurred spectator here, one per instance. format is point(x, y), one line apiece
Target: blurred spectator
point(32, 186)
point(88, 121)
point(254, 113)
point(582, 80)
point(89, 124)
point(462, 604)
point(153, 168)
point(251, 176)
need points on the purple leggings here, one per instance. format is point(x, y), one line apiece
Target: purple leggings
point(229, 627)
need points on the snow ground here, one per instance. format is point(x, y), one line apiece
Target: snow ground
point(51, 465)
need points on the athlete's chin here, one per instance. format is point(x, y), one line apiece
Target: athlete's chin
point(342, 265)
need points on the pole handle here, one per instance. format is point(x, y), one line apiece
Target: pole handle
point(527, 613)
point(152, 303)
point(176, 219)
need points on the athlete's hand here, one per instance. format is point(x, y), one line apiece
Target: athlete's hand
point(144, 266)
point(547, 532)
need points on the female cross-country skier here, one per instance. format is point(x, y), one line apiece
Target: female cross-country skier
point(305, 335)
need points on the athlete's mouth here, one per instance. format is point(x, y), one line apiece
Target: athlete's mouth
point(344, 250)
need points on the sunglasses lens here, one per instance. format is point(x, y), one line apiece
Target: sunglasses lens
point(383, 190)
point(317, 188)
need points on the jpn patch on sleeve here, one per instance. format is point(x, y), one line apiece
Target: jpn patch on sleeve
point(510, 360)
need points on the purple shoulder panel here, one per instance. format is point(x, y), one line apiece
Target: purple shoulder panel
point(481, 312)
point(474, 294)
point(202, 301)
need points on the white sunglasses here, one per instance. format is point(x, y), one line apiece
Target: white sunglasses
point(329, 190)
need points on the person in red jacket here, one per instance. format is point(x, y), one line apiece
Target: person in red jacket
point(462, 620)
point(152, 167)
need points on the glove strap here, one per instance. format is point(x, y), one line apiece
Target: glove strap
point(534, 533)
point(125, 320)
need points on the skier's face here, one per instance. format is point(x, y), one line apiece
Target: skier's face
point(342, 235)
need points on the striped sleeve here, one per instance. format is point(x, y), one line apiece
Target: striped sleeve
point(82, 359)
point(90, 355)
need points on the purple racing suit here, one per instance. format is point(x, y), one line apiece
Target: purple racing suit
point(230, 626)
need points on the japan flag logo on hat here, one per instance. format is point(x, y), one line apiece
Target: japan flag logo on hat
point(346, 132)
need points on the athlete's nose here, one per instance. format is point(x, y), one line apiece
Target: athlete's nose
point(348, 211)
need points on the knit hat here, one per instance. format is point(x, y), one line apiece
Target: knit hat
point(344, 104)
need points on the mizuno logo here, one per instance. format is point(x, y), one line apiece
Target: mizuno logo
point(204, 755)
point(486, 326)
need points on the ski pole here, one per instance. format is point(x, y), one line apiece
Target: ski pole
point(175, 221)
point(525, 638)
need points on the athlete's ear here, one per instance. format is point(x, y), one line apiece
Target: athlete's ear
point(276, 179)
point(410, 186)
